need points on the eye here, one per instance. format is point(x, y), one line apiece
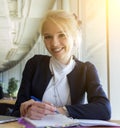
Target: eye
point(62, 35)
point(47, 37)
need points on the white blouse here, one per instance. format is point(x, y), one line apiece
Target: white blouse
point(58, 92)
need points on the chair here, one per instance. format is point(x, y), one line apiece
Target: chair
point(6, 109)
point(1, 93)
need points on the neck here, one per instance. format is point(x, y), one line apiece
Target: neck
point(65, 61)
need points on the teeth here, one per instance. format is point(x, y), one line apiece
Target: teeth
point(57, 49)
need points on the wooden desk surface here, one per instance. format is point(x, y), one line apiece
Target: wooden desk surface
point(8, 101)
point(18, 125)
point(12, 125)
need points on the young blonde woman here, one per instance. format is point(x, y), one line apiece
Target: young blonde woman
point(60, 81)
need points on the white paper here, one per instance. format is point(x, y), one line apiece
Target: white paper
point(59, 120)
point(85, 122)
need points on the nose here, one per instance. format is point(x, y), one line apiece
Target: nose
point(55, 41)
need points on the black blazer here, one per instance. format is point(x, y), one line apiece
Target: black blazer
point(82, 79)
point(1, 92)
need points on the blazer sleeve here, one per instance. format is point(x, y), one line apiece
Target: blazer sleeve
point(24, 90)
point(98, 105)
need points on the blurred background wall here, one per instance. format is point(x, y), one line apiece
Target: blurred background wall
point(100, 44)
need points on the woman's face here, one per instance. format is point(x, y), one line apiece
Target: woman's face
point(58, 42)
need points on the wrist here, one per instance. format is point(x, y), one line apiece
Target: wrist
point(63, 110)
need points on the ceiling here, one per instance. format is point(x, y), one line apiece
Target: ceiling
point(19, 24)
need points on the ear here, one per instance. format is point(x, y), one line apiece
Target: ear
point(77, 19)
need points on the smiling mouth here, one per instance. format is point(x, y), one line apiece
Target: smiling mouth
point(57, 50)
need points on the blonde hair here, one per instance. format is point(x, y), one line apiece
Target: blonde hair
point(67, 22)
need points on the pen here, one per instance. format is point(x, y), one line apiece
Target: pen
point(36, 99)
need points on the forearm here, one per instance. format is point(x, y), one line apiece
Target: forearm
point(90, 111)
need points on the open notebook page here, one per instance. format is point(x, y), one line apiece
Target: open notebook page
point(59, 120)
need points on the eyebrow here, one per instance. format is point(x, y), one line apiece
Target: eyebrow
point(50, 34)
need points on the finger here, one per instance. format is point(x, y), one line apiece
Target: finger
point(46, 107)
point(48, 103)
point(35, 113)
point(24, 106)
point(41, 109)
point(22, 110)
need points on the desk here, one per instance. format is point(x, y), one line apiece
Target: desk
point(17, 125)
point(12, 125)
point(6, 105)
point(7, 101)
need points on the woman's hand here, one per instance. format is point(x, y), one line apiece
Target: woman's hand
point(24, 107)
point(36, 110)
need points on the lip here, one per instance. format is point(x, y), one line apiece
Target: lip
point(57, 50)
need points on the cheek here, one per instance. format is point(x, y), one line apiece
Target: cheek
point(46, 44)
point(70, 43)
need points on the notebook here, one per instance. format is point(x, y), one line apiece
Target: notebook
point(4, 119)
point(59, 120)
